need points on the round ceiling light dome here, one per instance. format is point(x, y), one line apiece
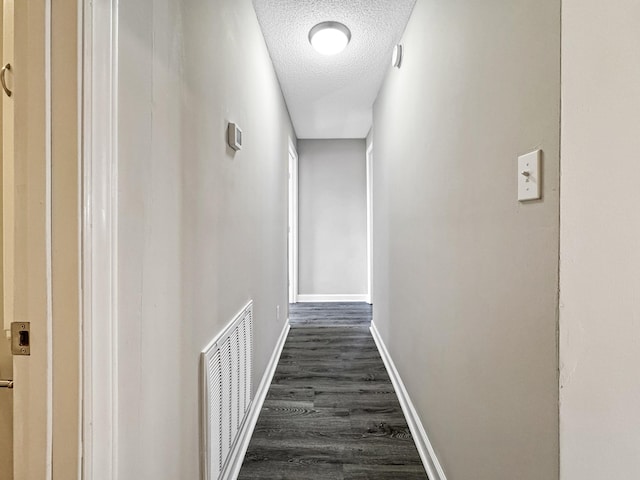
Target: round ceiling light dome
point(329, 38)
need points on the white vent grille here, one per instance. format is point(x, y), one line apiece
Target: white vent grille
point(226, 391)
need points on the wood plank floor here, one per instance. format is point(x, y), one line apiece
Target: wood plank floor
point(331, 411)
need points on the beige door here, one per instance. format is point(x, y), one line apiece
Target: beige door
point(39, 223)
point(6, 360)
point(26, 241)
point(6, 415)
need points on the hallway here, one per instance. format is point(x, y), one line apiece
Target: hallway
point(184, 170)
point(331, 411)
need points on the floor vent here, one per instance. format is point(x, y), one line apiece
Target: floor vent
point(226, 391)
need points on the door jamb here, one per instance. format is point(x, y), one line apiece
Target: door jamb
point(292, 239)
point(369, 174)
point(100, 238)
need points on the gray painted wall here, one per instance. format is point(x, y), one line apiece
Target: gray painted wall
point(600, 260)
point(332, 216)
point(201, 230)
point(465, 277)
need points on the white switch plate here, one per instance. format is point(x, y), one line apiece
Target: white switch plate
point(529, 176)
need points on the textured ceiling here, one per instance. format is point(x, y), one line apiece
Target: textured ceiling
point(332, 96)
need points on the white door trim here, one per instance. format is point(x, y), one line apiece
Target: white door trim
point(100, 239)
point(293, 223)
point(369, 173)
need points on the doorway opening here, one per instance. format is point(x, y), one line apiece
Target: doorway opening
point(293, 224)
point(369, 174)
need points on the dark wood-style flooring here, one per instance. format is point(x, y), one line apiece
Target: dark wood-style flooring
point(331, 411)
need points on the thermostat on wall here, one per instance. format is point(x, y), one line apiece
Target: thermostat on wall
point(234, 136)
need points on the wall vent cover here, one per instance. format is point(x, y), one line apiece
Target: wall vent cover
point(225, 392)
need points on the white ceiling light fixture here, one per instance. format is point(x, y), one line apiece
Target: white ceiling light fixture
point(329, 38)
point(352, 77)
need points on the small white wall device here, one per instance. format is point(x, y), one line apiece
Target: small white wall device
point(234, 136)
point(396, 59)
point(529, 176)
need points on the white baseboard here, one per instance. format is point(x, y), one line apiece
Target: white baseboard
point(427, 454)
point(333, 298)
point(236, 457)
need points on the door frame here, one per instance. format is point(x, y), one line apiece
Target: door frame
point(292, 222)
point(369, 174)
point(100, 239)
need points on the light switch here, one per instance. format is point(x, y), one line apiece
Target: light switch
point(529, 176)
